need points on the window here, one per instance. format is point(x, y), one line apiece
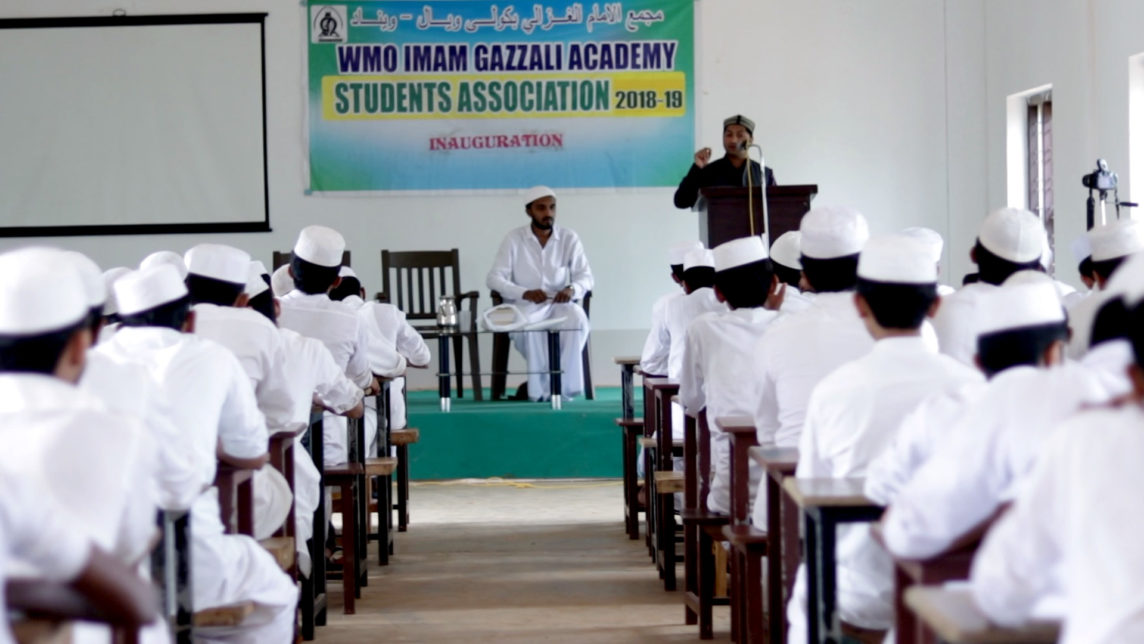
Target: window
point(1029, 155)
point(1136, 127)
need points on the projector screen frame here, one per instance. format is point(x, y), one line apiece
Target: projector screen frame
point(123, 20)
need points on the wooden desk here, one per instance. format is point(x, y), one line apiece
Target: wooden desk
point(628, 366)
point(956, 619)
point(748, 546)
point(826, 503)
point(782, 530)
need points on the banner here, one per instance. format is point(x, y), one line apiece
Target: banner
point(472, 95)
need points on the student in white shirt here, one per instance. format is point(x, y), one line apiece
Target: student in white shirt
point(715, 367)
point(215, 404)
point(541, 268)
point(854, 411)
point(786, 253)
point(1111, 246)
point(653, 358)
point(1009, 240)
point(1074, 527)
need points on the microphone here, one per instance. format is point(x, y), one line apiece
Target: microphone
point(743, 145)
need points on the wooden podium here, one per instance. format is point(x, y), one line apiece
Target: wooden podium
point(723, 211)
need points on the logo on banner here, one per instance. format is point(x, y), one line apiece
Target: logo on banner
point(328, 23)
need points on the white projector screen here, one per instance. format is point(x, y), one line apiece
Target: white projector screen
point(132, 124)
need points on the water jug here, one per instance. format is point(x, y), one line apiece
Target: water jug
point(446, 312)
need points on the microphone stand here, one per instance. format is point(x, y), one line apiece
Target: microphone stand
point(751, 190)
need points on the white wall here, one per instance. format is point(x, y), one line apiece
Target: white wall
point(849, 95)
point(1081, 48)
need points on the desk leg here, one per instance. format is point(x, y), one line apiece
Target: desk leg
point(627, 398)
point(813, 581)
point(822, 603)
point(554, 385)
point(443, 371)
point(776, 624)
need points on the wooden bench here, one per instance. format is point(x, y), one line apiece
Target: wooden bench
point(312, 603)
point(171, 572)
point(782, 550)
point(223, 616)
point(402, 439)
point(662, 498)
point(235, 498)
point(956, 619)
point(36, 608)
point(631, 430)
point(702, 529)
point(748, 545)
point(826, 503)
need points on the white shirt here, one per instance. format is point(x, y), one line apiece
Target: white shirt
point(335, 324)
point(795, 300)
point(797, 352)
point(656, 349)
point(852, 418)
point(313, 372)
point(96, 464)
point(713, 375)
point(678, 313)
point(1082, 314)
point(26, 518)
point(393, 341)
point(1075, 526)
point(128, 388)
point(991, 449)
point(958, 319)
point(210, 394)
point(522, 264)
point(255, 341)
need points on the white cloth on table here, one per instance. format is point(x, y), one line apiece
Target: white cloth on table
point(533, 345)
point(715, 374)
point(1074, 529)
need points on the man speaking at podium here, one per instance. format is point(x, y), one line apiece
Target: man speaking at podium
point(738, 132)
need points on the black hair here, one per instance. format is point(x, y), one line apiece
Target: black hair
point(896, 305)
point(1135, 317)
point(992, 269)
point(348, 286)
point(1085, 267)
point(698, 277)
point(38, 353)
point(264, 304)
point(94, 320)
point(787, 275)
point(209, 290)
point(677, 271)
point(1105, 268)
point(971, 278)
point(1001, 350)
point(831, 275)
point(746, 286)
point(1111, 322)
point(311, 278)
point(171, 315)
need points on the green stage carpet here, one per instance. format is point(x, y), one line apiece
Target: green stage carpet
point(516, 439)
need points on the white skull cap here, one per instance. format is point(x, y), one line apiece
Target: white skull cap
point(833, 231)
point(928, 236)
point(165, 257)
point(148, 288)
point(739, 252)
point(679, 250)
point(786, 250)
point(1013, 234)
point(897, 259)
point(255, 285)
point(346, 271)
point(538, 192)
point(95, 291)
point(281, 282)
point(1027, 298)
point(41, 292)
point(218, 261)
point(700, 258)
point(110, 276)
point(1118, 239)
point(320, 245)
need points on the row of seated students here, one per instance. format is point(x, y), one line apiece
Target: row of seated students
point(122, 391)
point(1014, 392)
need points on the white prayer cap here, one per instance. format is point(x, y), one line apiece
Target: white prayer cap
point(320, 245)
point(94, 290)
point(165, 257)
point(1081, 249)
point(897, 259)
point(41, 292)
point(928, 236)
point(148, 288)
point(1127, 281)
point(1046, 251)
point(699, 258)
point(110, 276)
point(281, 282)
point(679, 250)
point(832, 232)
point(255, 285)
point(220, 262)
point(1027, 298)
point(538, 192)
point(1013, 234)
point(1118, 239)
point(739, 252)
point(786, 250)
point(346, 271)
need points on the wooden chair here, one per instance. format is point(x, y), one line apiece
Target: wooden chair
point(413, 281)
point(171, 572)
point(282, 258)
point(702, 529)
point(379, 476)
point(313, 598)
point(41, 606)
point(400, 440)
point(667, 482)
point(501, 345)
point(348, 479)
point(235, 498)
point(952, 614)
point(748, 544)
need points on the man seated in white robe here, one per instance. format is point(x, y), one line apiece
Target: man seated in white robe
point(1074, 526)
point(853, 414)
point(214, 403)
point(541, 269)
